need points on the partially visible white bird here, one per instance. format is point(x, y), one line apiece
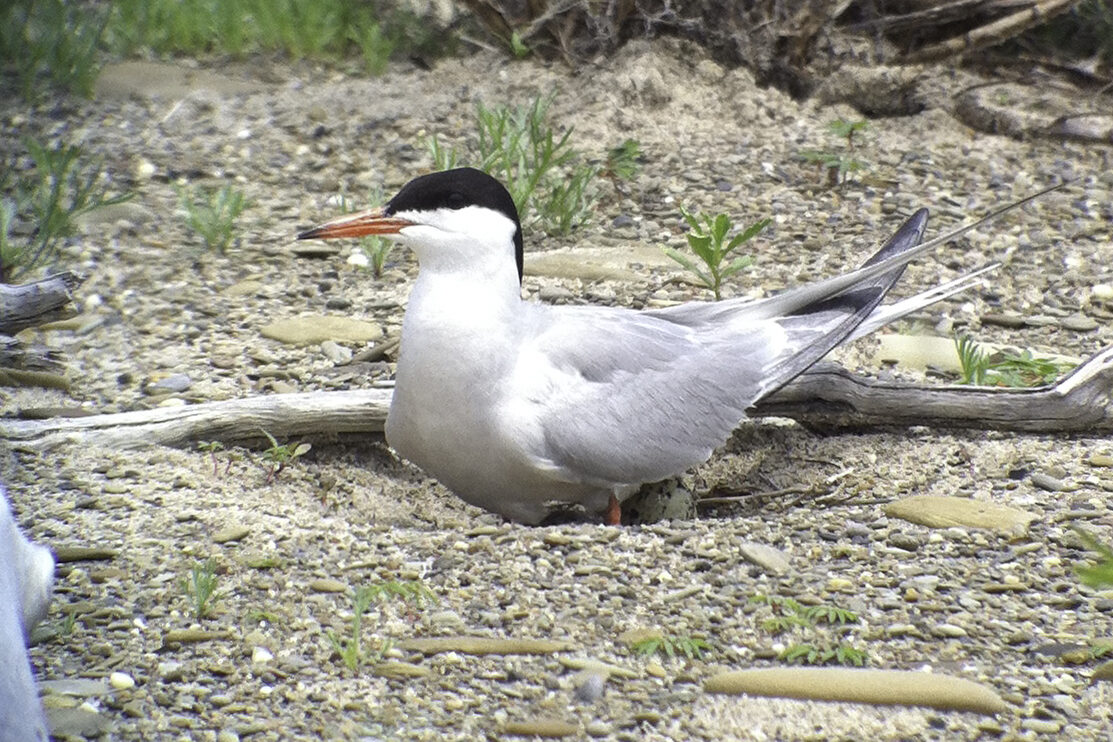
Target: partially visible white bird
point(26, 583)
point(526, 409)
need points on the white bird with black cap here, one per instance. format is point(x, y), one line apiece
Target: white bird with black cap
point(528, 409)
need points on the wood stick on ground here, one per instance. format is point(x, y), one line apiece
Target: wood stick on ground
point(825, 397)
point(37, 302)
point(992, 33)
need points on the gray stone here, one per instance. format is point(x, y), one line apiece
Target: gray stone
point(945, 512)
point(1046, 482)
point(770, 559)
point(173, 384)
point(78, 721)
point(315, 329)
point(1079, 323)
point(336, 353)
point(901, 687)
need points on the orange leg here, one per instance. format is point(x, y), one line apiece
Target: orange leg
point(614, 512)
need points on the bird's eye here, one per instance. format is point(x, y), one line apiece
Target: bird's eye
point(456, 200)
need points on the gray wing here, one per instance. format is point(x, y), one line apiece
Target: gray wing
point(613, 397)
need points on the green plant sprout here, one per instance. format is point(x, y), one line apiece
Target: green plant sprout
point(518, 47)
point(213, 213)
point(847, 129)
point(809, 654)
point(351, 649)
point(622, 161)
point(258, 617)
point(837, 164)
point(374, 46)
point(65, 185)
point(1004, 369)
point(211, 448)
point(541, 170)
point(708, 240)
point(200, 587)
point(691, 647)
point(279, 456)
point(791, 614)
point(1100, 573)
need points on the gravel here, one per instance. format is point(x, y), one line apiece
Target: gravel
point(168, 323)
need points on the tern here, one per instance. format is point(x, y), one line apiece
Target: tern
point(26, 585)
point(529, 409)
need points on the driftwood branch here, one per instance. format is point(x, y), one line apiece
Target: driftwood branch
point(992, 33)
point(37, 302)
point(825, 397)
point(828, 396)
point(281, 415)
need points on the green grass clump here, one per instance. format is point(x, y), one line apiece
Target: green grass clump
point(1100, 573)
point(1005, 369)
point(64, 185)
point(353, 649)
point(375, 30)
point(790, 616)
point(624, 160)
point(51, 44)
point(708, 240)
point(200, 587)
point(809, 654)
point(543, 172)
point(671, 646)
point(212, 213)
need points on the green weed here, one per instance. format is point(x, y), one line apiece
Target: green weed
point(212, 448)
point(352, 648)
point(623, 161)
point(200, 587)
point(790, 615)
point(278, 457)
point(541, 170)
point(671, 646)
point(837, 164)
point(809, 654)
point(65, 185)
point(374, 47)
point(518, 47)
point(1005, 369)
point(847, 129)
point(374, 30)
point(51, 40)
point(707, 238)
point(212, 214)
point(1100, 573)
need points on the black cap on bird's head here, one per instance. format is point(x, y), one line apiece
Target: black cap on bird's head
point(457, 189)
point(450, 189)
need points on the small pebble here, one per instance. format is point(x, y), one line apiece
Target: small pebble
point(1046, 482)
point(121, 681)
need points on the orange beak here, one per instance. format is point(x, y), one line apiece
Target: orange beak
point(361, 224)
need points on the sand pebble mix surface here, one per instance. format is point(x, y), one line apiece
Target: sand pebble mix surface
point(530, 623)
